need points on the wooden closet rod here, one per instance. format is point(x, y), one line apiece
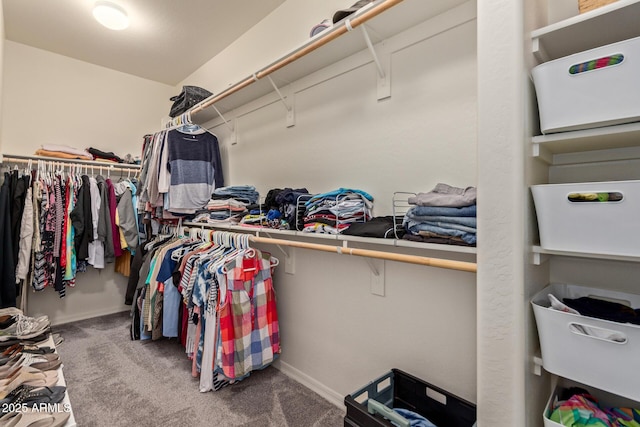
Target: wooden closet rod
point(332, 35)
point(35, 159)
point(411, 259)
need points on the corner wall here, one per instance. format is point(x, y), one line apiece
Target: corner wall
point(50, 98)
point(501, 194)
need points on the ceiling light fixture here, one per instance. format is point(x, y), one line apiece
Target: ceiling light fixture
point(110, 15)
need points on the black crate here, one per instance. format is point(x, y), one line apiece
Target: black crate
point(397, 389)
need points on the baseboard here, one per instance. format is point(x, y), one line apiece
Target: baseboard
point(84, 316)
point(315, 385)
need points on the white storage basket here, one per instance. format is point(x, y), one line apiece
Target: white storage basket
point(604, 399)
point(610, 365)
point(598, 87)
point(601, 227)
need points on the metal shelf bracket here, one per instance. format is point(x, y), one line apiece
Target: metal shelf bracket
point(291, 117)
point(233, 137)
point(383, 66)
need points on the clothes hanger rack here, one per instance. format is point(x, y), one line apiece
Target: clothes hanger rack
point(389, 256)
point(28, 160)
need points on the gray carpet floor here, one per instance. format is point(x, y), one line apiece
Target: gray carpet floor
point(113, 381)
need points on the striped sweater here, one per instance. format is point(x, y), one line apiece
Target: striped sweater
point(196, 170)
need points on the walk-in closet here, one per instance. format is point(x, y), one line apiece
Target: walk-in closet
point(313, 213)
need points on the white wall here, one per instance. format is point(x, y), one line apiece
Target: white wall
point(281, 31)
point(49, 98)
point(501, 194)
point(336, 335)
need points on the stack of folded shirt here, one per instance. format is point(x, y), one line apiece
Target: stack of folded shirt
point(229, 205)
point(335, 211)
point(255, 218)
point(63, 152)
point(104, 156)
point(444, 215)
point(226, 210)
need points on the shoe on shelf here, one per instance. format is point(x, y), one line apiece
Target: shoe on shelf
point(12, 311)
point(57, 339)
point(38, 395)
point(29, 376)
point(33, 419)
point(30, 327)
point(25, 327)
point(7, 320)
point(43, 362)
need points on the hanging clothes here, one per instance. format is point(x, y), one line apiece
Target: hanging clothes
point(95, 248)
point(180, 170)
point(216, 298)
point(82, 220)
point(63, 226)
point(7, 269)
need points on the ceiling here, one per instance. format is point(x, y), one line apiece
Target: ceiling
point(166, 41)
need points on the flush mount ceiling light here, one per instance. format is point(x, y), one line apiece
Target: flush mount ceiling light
point(110, 15)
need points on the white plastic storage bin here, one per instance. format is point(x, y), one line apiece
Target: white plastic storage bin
point(610, 224)
point(579, 348)
point(604, 399)
point(597, 87)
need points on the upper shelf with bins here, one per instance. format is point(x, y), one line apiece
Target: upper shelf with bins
point(608, 24)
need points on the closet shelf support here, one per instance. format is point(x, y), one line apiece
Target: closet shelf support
point(233, 137)
point(289, 108)
point(373, 267)
point(284, 252)
point(384, 80)
point(226, 122)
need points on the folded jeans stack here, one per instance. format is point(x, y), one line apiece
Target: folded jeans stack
point(444, 215)
point(246, 193)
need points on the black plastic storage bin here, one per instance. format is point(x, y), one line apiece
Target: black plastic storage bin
point(397, 389)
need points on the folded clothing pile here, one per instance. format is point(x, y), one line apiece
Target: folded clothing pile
point(383, 227)
point(227, 210)
point(104, 155)
point(446, 215)
point(334, 211)
point(599, 309)
point(229, 205)
point(63, 152)
point(578, 408)
point(281, 207)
